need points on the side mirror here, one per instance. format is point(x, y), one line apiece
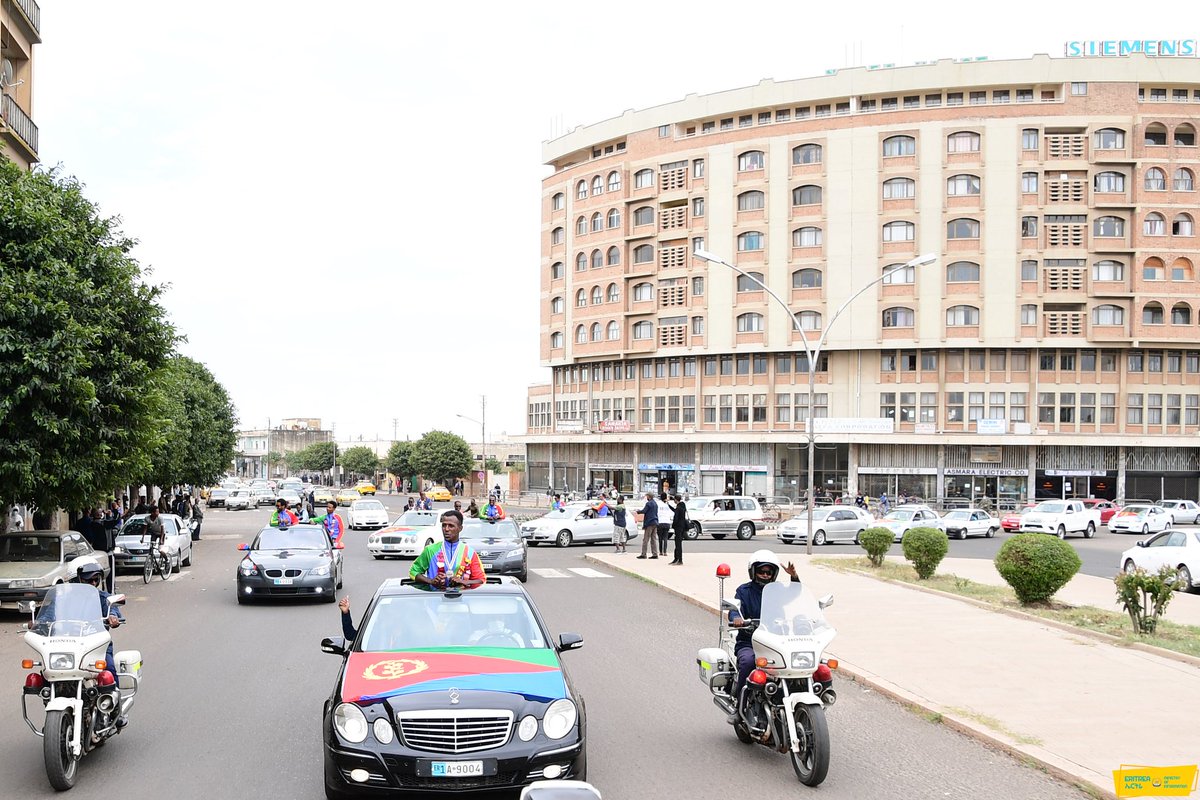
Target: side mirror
point(116, 599)
point(826, 601)
point(552, 790)
point(570, 641)
point(1142, 543)
point(243, 546)
point(334, 645)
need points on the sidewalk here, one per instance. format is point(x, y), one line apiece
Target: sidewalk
point(1079, 706)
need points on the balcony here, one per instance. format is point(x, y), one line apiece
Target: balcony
point(31, 15)
point(1064, 323)
point(18, 127)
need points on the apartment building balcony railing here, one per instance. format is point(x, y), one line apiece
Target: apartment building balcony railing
point(1065, 323)
point(18, 126)
point(673, 179)
point(32, 14)
point(1066, 146)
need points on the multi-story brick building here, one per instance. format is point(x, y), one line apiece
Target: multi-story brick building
point(20, 30)
point(1052, 348)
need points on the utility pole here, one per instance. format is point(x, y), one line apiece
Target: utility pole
point(395, 423)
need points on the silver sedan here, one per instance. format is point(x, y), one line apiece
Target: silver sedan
point(830, 523)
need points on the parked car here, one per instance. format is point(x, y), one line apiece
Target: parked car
point(1107, 508)
point(831, 523)
point(500, 545)
point(903, 518)
point(322, 495)
point(33, 561)
point(407, 536)
point(364, 488)
point(722, 515)
point(299, 561)
point(1182, 511)
point(439, 493)
point(216, 498)
point(576, 522)
point(1139, 518)
point(289, 496)
point(1011, 521)
point(1060, 517)
point(1179, 550)
point(263, 495)
point(241, 500)
point(177, 541)
point(369, 514)
point(964, 522)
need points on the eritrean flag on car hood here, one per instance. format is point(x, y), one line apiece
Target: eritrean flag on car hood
point(534, 673)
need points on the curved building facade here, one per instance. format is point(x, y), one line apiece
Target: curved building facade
point(1051, 349)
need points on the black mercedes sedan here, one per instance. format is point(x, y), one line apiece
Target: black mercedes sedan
point(502, 549)
point(451, 692)
point(298, 561)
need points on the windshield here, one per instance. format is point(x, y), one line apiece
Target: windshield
point(70, 609)
point(501, 529)
point(902, 516)
point(1134, 511)
point(293, 539)
point(1051, 508)
point(564, 513)
point(369, 505)
point(789, 610)
point(417, 518)
point(434, 620)
point(30, 548)
point(959, 515)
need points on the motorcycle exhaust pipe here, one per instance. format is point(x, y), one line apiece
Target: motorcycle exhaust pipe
point(829, 696)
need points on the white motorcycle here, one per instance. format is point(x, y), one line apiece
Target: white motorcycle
point(84, 701)
point(782, 704)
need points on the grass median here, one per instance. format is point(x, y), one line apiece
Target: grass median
point(1169, 636)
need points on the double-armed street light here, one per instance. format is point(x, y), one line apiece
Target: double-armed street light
point(813, 353)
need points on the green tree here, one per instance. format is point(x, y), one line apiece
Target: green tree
point(319, 456)
point(440, 456)
point(399, 460)
point(359, 460)
point(495, 465)
point(274, 458)
point(295, 461)
point(82, 336)
point(197, 423)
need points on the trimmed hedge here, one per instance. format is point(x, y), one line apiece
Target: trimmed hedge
point(1036, 565)
point(877, 542)
point(925, 548)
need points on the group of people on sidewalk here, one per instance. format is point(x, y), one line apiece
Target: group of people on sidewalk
point(657, 518)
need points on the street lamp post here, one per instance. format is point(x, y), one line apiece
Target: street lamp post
point(482, 423)
point(813, 354)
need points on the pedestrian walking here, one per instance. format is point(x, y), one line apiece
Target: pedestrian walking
point(390, 484)
point(198, 518)
point(619, 533)
point(649, 514)
point(664, 523)
point(680, 523)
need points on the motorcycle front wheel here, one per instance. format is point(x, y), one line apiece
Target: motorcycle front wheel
point(811, 759)
point(56, 746)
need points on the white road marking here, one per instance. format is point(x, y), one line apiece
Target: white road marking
point(588, 572)
point(550, 573)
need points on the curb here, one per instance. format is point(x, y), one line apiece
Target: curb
point(911, 701)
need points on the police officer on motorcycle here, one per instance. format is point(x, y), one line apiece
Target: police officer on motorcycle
point(763, 568)
point(89, 572)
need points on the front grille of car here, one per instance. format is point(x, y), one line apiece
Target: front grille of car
point(391, 540)
point(455, 731)
point(284, 573)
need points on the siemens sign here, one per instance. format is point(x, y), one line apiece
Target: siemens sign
point(1187, 48)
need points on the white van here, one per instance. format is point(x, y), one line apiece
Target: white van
point(722, 515)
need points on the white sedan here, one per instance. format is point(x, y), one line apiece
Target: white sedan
point(831, 523)
point(407, 536)
point(1182, 511)
point(964, 522)
point(241, 500)
point(1140, 518)
point(368, 514)
point(1179, 550)
point(177, 541)
point(577, 522)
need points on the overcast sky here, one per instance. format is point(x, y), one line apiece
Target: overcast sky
point(346, 195)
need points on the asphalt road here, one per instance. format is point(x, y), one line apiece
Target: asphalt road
point(232, 696)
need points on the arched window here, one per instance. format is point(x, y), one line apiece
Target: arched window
point(1154, 224)
point(1153, 269)
point(899, 146)
point(580, 262)
point(1181, 314)
point(1184, 136)
point(1156, 180)
point(614, 256)
point(597, 222)
point(581, 192)
point(750, 282)
point(1108, 270)
point(1029, 314)
point(960, 185)
point(643, 216)
point(581, 226)
point(556, 271)
point(750, 240)
point(898, 317)
point(614, 181)
point(900, 231)
point(1109, 226)
point(614, 218)
point(808, 195)
point(1109, 182)
point(809, 320)
point(556, 340)
point(642, 292)
point(580, 334)
point(643, 179)
point(597, 259)
point(962, 315)
point(807, 278)
point(558, 202)
point(1108, 315)
point(614, 293)
point(899, 189)
point(963, 228)
point(962, 142)
point(597, 186)
point(1109, 139)
point(597, 296)
point(643, 254)
point(1155, 135)
point(962, 272)
point(1184, 180)
point(614, 331)
point(751, 160)
point(751, 201)
point(806, 154)
point(749, 323)
point(557, 236)
point(595, 332)
point(1181, 269)
point(643, 330)
point(556, 305)
point(1152, 314)
point(899, 274)
point(807, 237)
point(580, 298)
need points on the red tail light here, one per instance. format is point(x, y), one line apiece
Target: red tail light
point(758, 677)
point(105, 678)
point(34, 680)
point(823, 674)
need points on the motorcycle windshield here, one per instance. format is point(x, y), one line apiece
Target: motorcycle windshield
point(70, 609)
point(788, 609)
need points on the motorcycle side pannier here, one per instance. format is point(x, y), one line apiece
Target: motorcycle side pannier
point(129, 662)
point(715, 669)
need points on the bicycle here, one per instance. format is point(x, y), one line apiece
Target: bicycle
point(156, 561)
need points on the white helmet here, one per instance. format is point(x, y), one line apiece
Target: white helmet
point(763, 557)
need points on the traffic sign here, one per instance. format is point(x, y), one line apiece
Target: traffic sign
point(480, 475)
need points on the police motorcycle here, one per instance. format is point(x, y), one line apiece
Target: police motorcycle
point(85, 703)
point(782, 704)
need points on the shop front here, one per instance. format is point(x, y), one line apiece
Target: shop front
point(1162, 473)
point(901, 484)
point(993, 477)
point(1064, 484)
point(743, 479)
point(618, 475)
point(831, 470)
point(670, 477)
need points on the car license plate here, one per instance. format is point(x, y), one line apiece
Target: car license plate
point(456, 769)
point(283, 581)
point(391, 547)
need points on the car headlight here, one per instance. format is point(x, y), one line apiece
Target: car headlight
point(527, 729)
point(805, 660)
point(61, 661)
point(515, 553)
point(350, 722)
point(21, 584)
point(383, 731)
point(322, 570)
point(372, 540)
point(42, 583)
point(247, 568)
point(559, 719)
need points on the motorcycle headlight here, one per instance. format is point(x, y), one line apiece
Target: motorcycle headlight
point(515, 553)
point(383, 731)
point(322, 570)
point(61, 661)
point(805, 660)
point(527, 729)
point(559, 719)
point(350, 722)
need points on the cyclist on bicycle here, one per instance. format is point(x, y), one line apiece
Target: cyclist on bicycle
point(154, 527)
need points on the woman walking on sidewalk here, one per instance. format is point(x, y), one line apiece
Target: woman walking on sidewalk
point(680, 523)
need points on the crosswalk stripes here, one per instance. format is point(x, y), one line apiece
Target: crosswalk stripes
point(583, 572)
point(587, 572)
point(545, 572)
